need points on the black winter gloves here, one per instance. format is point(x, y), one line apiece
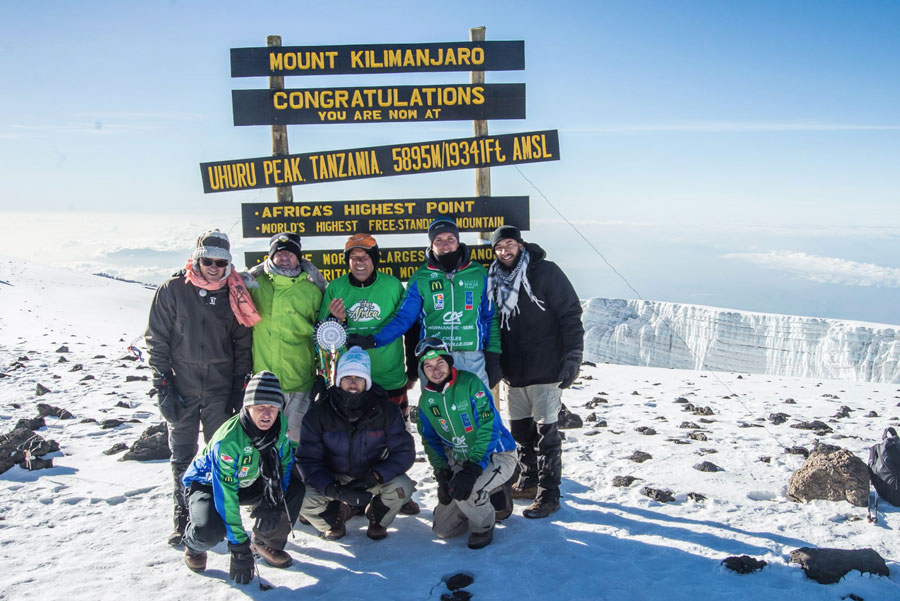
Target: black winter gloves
point(463, 482)
point(368, 480)
point(443, 476)
point(318, 389)
point(354, 497)
point(569, 372)
point(168, 399)
point(236, 400)
point(267, 518)
point(364, 342)
point(241, 568)
point(492, 367)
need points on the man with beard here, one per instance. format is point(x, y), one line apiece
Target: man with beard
point(247, 462)
point(543, 340)
point(354, 452)
point(199, 340)
point(287, 290)
point(447, 296)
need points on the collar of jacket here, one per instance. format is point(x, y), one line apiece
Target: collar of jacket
point(282, 281)
point(464, 261)
point(366, 284)
point(447, 384)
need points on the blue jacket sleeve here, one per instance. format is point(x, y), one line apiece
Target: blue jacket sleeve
point(311, 456)
point(488, 324)
point(403, 318)
point(434, 446)
point(401, 448)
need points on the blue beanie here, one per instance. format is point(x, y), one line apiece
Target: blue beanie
point(442, 225)
point(355, 362)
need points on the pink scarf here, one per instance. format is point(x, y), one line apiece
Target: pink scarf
point(241, 303)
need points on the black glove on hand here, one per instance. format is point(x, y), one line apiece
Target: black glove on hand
point(364, 342)
point(167, 398)
point(569, 372)
point(236, 400)
point(353, 497)
point(366, 481)
point(318, 389)
point(493, 369)
point(267, 518)
point(241, 568)
point(463, 482)
point(443, 476)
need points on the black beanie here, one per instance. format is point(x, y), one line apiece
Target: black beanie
point(288, 242)
point(442, 225)
point(506, 231)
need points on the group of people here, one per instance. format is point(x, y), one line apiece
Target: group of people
point(291, 446)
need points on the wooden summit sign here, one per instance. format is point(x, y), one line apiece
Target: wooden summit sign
point(380, 161)
point(347, 217)
point(379, 104)
point(398, 262)
point(378, 58)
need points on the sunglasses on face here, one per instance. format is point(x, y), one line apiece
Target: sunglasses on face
point(219, 262)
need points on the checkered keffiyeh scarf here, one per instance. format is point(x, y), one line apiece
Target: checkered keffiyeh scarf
point(504, 285)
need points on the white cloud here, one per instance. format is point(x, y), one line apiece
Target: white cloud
point(829, 270)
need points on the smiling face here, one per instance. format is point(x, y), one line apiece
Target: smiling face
point(436, 369)
point(354, 384)
point(263, 416)
point(361, 265)
point(214, 271)
point(444, 244)
point(507, 251)
point(285, 259)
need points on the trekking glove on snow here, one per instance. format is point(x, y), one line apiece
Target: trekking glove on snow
point(168, 400)
point(241, 568)
point(350, 496)
point(267, 518)
point(569, 372)
point(443, 476)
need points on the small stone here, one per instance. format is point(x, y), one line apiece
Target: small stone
point(749, 425)
point(696, 497)
point(62, 359)
point(816, 425)
point(790, 402)
point(688, 407)
point(591, 363)
point(99, 357)
point(63, 349)
point(111, 423)
point(681, 399)
point(662, 496)
point(51, 411)
point(34, 423)
point(708, 451)
point(797, 451)
point(456, 596)
point(413, 414)
point(594, 402)
point(135, 378)
point(566, 420)
point(645, 430)
point(41, 390)
point(635, 393)
point(88, 420)
point(765, 459)
point(828, 566)
point(640, 456)
point(706, 420)
point(77, 367)
point(123, 405)
point(778, 418)
point(601, 423)
point(704, 411)
point(707, 466)
point(623, 481)
point(743, 564)
point(689, 426)
point(871, 414)
point(116, 448)
point(843, 412)
point(458, 581)
point(678, 441)
point(88, 377)
point(697, 435)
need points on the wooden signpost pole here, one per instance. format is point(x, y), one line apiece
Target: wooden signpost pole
point(279, 132)
point(482, 174)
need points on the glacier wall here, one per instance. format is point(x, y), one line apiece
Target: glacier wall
point(659, 334)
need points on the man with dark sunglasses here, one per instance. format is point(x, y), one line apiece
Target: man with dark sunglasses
point(199, 341)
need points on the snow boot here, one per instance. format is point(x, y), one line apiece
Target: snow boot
point(194, 560)
point(541, 508)
point(549, 472)
point(337, 520)
point(274, 557)
point(376, 512)
point(525, 433)
point(177, 535)
point(410, 508)
point(479, 540)
point(502, 500)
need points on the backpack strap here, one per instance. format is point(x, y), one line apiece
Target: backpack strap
point(890, 430)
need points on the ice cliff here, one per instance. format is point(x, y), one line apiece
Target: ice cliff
point(659, 334)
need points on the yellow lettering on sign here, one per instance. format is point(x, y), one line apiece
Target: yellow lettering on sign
point(233, 176)
point(530, 147)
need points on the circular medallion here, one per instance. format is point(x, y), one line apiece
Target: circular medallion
point(330, 334)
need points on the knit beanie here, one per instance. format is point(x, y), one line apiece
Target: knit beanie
point(355, 362)
point(506, 231)
point(264, 389)
point(442, 225)
point(285, 241)
point(212, 244)
point(365, 242)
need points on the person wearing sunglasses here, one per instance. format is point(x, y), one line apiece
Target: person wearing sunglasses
point(447, 297)
point(199, 342)
point(287, 288)
point(470, 450)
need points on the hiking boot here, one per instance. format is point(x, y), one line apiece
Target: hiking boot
point(502, 501)
point(175, 538)
point(339, 528)
point(477, 540)
point(529, 492)
point(376, 531)
point(541, 509)
point(194, 560)
point(274, 557)
point(410, 508)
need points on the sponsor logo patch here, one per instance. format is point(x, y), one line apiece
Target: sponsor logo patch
point(438, 300)
point(486, 415)
point(227, 458)
point(244, 471)
point(435, 411)
point(444, 425)
point(364, 310)
point(437, 285)
point(470, 300)
point(480, 394)
point(467, 423)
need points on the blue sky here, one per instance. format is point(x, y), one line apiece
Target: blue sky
point(737, 154)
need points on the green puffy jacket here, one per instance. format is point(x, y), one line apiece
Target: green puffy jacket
point(228, 463)
point(283, 339)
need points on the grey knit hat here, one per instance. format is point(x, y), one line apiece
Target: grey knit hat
point(264, 389)
point(212, 244)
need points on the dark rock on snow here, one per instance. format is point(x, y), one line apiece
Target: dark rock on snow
point(743, 564)
point(623, 481)
point(645, 430)
point(14, 444)
point(116, 448)
point(51, 411)
point(41, 390)
point(34, 423)
point(458, 581)
point(135, 378)
point(697, 436)
point(662, 496)
point(816, 425)
point(707, 466)
point(689, 426)
point(640, 456)
point(696, 497)
point(832, 475)
point(827, 566)
point(797, 451)
point(778, 419)
point(152, 444)
point(568, 420)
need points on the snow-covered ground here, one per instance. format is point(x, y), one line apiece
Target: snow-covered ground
point(93, 527)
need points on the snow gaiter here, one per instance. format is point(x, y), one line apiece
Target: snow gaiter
point(549, 462)
point(525, 433)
